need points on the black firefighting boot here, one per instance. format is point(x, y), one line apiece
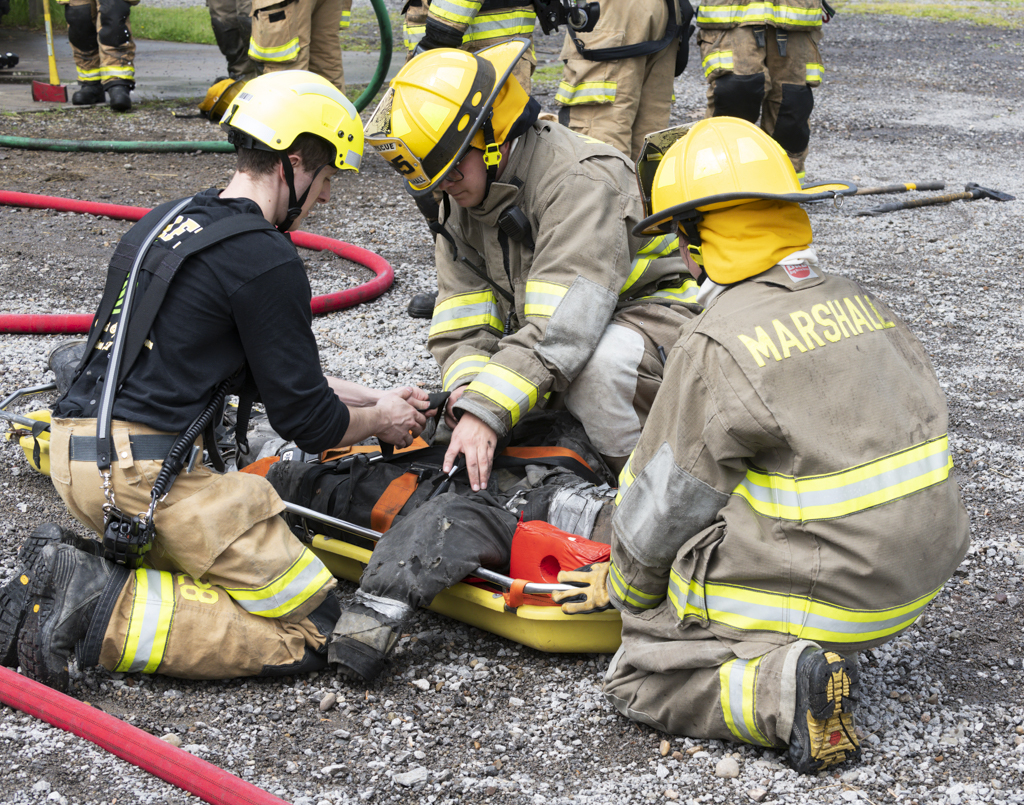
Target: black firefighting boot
point(73, 595)
point(88, 92)
point(14, 596)
point(824, 733)
point(421, 306)
point(119, 96)
point(364, 636)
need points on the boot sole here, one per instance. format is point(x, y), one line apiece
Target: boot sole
point(32, 653)
point(830, 723)
point(14, 596)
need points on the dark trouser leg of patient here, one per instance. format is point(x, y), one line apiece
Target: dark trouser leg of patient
point(445, 541)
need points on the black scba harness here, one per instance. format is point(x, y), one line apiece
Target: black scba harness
point(681, 29)
point(138, 276)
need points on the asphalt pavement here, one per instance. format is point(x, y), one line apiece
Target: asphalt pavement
point(163, 70)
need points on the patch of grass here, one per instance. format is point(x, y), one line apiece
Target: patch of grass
point(998, 13)
point(551, 74)
point(19, 16)
point(190, 24)
point(363, 32)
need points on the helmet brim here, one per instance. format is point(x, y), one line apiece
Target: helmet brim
point(664, 221)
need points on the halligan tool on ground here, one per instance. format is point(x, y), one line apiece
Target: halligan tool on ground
point(971, 192)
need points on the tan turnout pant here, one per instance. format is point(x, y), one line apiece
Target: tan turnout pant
point(299, 35)
point(227, 589)
point(732, 58)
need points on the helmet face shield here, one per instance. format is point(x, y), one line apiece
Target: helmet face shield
point(656, 144)
point(394, 149)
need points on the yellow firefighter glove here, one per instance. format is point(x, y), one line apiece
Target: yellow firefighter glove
point(592, 595)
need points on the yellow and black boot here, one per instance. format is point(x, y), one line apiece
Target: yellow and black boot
point(824, 733)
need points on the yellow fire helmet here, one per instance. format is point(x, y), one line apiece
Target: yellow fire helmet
point(218, 98)
point(445, 101)
point(272, 110)
point(715, 163)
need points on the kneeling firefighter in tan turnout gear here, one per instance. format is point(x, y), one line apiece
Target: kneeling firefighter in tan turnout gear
point(762, 60)
point(104, 51)
point(545, 296)
point(792, 499)
point(196, 574)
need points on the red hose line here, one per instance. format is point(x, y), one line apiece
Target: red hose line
point(79, 323)
point(176, 766)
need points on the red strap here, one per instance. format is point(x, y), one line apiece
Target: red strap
point(391, 502)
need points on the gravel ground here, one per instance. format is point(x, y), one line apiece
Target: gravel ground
point(465, 716)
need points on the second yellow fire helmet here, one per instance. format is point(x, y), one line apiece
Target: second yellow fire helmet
point(445, 101)
point(688, 174)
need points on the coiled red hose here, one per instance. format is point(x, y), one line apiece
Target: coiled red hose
point(79, 323)
point(176, 766)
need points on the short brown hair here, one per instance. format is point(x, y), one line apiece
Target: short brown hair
point(313, 151)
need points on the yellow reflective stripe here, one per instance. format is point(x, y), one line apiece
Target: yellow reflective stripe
point(286, 52)
point(632, 596)
point(661, 246)
point(758, 14)
point(717, 60)
point(626, 478)
point(461, 12)
point(803, 617)
point(287, 592)
point(346, 19)
point(824, 497)
point(88, 75)
point(492, 26)
point(542, 298)
point(815, 72)
point(687, 292)
point(466, 365)
point(125, 71)
point(586, 92)
point(412, 34)
point(465, 311)
point(507, 389)
point(148, 622)
point(737, 681)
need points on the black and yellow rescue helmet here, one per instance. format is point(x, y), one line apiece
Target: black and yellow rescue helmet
point(445, 101)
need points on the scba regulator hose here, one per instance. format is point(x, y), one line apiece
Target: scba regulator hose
point(176, 766)
point(80, 323)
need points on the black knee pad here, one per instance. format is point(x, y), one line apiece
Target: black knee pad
point(81, 29)
point(792, 131)
point(739, 96)
point(113, 23)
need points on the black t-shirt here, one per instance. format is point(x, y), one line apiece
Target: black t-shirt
point(243, 301)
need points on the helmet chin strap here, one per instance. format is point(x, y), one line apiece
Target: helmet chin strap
point(294, 204)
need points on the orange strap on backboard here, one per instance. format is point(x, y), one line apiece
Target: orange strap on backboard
point(391, 502)
point(545, 452)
